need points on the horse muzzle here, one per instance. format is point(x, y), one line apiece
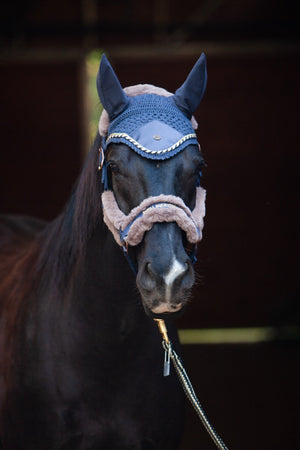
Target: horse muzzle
point(155, 228)
point(165, 273)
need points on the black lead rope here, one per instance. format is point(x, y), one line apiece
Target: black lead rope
point(186, 384)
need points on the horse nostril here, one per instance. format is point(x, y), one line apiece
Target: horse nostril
point(147, 278)
point(148, 270)
point(175, 307)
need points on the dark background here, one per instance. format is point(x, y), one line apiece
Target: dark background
point(249, 132)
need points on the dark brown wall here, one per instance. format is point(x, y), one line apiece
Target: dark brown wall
point(250, 394)
point(41, 137)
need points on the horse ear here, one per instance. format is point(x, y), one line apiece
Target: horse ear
point(188, 97)
point(111, 94)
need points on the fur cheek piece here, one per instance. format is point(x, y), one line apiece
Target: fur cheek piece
point(130, 229)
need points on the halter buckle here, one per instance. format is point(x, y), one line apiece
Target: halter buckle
point(125, 246)
point(101, 158)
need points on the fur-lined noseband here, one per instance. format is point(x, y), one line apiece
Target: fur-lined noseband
point(130, 229)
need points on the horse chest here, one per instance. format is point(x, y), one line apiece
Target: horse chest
point(118, 406)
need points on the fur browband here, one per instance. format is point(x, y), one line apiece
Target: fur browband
point(130, 229)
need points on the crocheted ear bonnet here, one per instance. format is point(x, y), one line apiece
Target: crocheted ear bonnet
point(157, 125)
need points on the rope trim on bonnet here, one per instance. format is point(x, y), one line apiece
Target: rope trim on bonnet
point(146, 150)
point(161, 208)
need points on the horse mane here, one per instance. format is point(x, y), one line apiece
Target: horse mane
point(63, 242)
point(50, 252)
point(39, 258)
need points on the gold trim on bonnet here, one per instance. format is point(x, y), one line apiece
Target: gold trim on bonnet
point(147, 150)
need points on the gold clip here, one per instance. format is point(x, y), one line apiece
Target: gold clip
point(163, 329)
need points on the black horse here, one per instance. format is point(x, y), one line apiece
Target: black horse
point(81, 358)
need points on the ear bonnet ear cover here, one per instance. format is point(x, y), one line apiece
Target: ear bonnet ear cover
point(154, 126)
point(188, 97)
point(111, 94)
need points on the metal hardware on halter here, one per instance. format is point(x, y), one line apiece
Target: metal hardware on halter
point(186, 384)
point(101, 158)
point(163, 329)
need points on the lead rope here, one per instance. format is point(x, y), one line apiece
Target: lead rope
point(186, 384)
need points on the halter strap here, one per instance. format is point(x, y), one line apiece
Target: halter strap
point(130, 229)
point(154, 206)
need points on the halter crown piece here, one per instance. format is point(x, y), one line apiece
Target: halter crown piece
point(157, 125)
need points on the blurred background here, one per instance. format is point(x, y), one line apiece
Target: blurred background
point(240, 333)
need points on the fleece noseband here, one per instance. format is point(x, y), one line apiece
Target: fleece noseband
point(130, 229)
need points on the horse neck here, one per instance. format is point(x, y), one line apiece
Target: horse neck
point(85, 271)
point(105, 279)
point(100, 313)
point(96, 279)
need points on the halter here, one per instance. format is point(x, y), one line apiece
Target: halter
point(150, 121)
point(130, 229)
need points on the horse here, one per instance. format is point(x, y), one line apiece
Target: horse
point(80, 355)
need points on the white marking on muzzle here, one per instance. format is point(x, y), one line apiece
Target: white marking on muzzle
point(175, 271)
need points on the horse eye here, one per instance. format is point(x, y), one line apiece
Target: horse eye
point(113, 167)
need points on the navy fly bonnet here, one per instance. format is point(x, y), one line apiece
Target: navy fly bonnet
point(154, 126)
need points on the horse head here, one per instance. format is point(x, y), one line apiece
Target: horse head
point(152, 200)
